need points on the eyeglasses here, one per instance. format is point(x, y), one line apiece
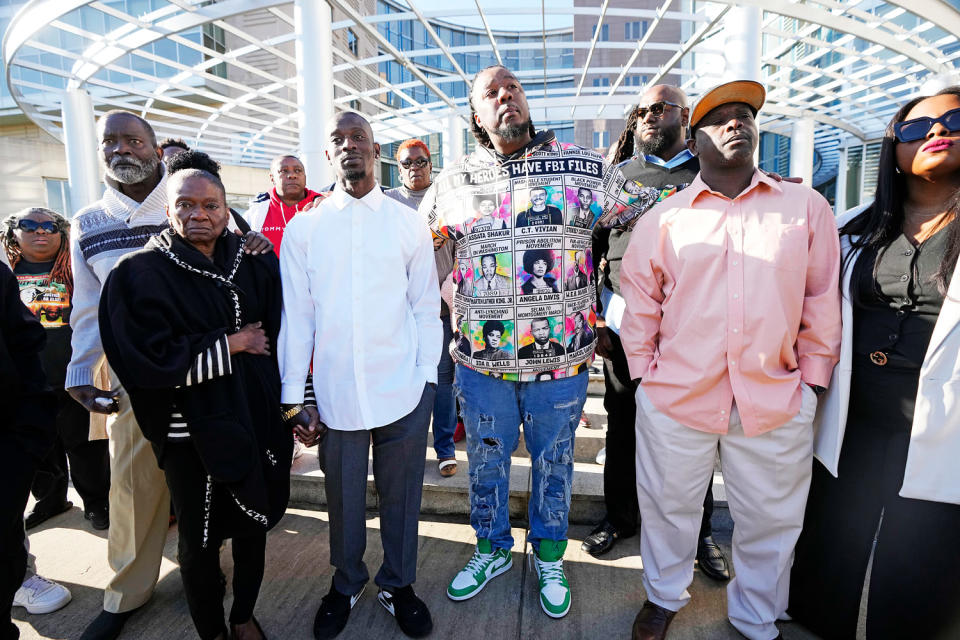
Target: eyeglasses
point(26, 224)
point(656, 109)
point(918, 128)
point(418, 163)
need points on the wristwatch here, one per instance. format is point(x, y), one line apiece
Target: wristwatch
point(291, 412)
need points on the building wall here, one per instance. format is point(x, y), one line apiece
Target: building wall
point(651, 59)
point(29, 156)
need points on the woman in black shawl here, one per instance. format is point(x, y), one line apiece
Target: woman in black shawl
point(188, 323)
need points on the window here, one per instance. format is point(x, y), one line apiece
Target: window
point(604, 32)
point(58, 196)
point(634, 30)
point(353, 43)
point(601, 82)
point(635, 81)
point(601, 140)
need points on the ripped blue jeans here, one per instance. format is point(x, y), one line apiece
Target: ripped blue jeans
point(492, 412)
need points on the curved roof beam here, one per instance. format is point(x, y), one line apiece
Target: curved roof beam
point(486, 25)
point(108, 48)
point(794, 112)
point(693, 41)
point(808, 13)
point(440, 43)
point(593, 45)
point(640, 45)
point(388, 46)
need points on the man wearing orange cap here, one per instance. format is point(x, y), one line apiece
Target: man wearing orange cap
point(732, 323)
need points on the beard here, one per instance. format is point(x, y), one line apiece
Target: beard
point(662, 141)
point(355, 175)
point(139, 172)
point(513, 131)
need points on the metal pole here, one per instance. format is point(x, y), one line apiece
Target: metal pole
point(452, 140)
point(314, 50)
point(840, 201)
point(742, 26)
point(80, 143)
point(801, 150)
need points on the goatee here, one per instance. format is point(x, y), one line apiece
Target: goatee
point(661, 142)
point(135, 171)
point(514, 131)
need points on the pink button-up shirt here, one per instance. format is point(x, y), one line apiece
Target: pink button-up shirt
point(733, 300)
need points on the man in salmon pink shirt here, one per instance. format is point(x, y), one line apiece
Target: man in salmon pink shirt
point(732, 327)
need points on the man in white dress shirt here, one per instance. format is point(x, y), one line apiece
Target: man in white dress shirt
point(360, 299)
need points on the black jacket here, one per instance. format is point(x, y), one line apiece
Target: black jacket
point(612, 243)
point(29, 426)
point(163, 307)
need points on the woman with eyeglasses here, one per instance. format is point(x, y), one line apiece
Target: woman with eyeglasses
point(37, 248)
point(888, 429)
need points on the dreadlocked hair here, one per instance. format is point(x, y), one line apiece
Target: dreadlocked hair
point(478, 132)
point(61, 271)
point(625, 143)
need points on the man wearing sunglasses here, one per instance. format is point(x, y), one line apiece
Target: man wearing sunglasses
point(416, 176)
point(655, 131)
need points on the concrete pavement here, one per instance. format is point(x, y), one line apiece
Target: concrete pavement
point(607, 592)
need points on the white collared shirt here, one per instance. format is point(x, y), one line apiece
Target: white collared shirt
point(360, 294)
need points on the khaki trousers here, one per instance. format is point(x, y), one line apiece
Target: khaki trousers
point(139, 512)
point(767, 478)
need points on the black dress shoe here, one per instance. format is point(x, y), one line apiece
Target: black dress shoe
point(712, 562)
point(602, 539)
point(39, 516)
point(333, 613)
point(652, 622)
point(106, 626)
point(99, 517)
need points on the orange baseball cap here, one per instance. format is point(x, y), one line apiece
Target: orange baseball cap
point(746, 91)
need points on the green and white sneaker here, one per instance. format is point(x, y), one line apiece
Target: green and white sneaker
point(485, 565)
point(554, 588)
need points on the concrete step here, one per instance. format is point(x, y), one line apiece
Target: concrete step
point(451, 496)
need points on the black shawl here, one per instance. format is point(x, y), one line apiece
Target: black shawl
point(164, 305)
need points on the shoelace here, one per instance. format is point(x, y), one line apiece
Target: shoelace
point(38, 584)
point(551, 571)
point(477, 561)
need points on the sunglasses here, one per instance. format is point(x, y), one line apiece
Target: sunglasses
point(32, 225)
point(418, 163)
point(656, 109)
point(918, 128)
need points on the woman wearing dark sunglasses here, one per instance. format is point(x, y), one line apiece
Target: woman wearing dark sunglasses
point(36, 242)
point(888, 429)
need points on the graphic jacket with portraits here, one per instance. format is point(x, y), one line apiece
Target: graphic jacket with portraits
point(527, 255)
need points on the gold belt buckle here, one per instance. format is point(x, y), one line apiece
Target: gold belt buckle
point(878, 358)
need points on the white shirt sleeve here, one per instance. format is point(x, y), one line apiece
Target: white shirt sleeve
point(87, 349)
point(297, 320)
point(423, 295)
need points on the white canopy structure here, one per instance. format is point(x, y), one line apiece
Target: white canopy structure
point(248, 79)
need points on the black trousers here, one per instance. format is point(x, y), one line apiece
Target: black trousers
point(619, 470)
point(16, 473)
point(203, 581)
point(89, 461)
point(914, 589)
point(398, 454)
